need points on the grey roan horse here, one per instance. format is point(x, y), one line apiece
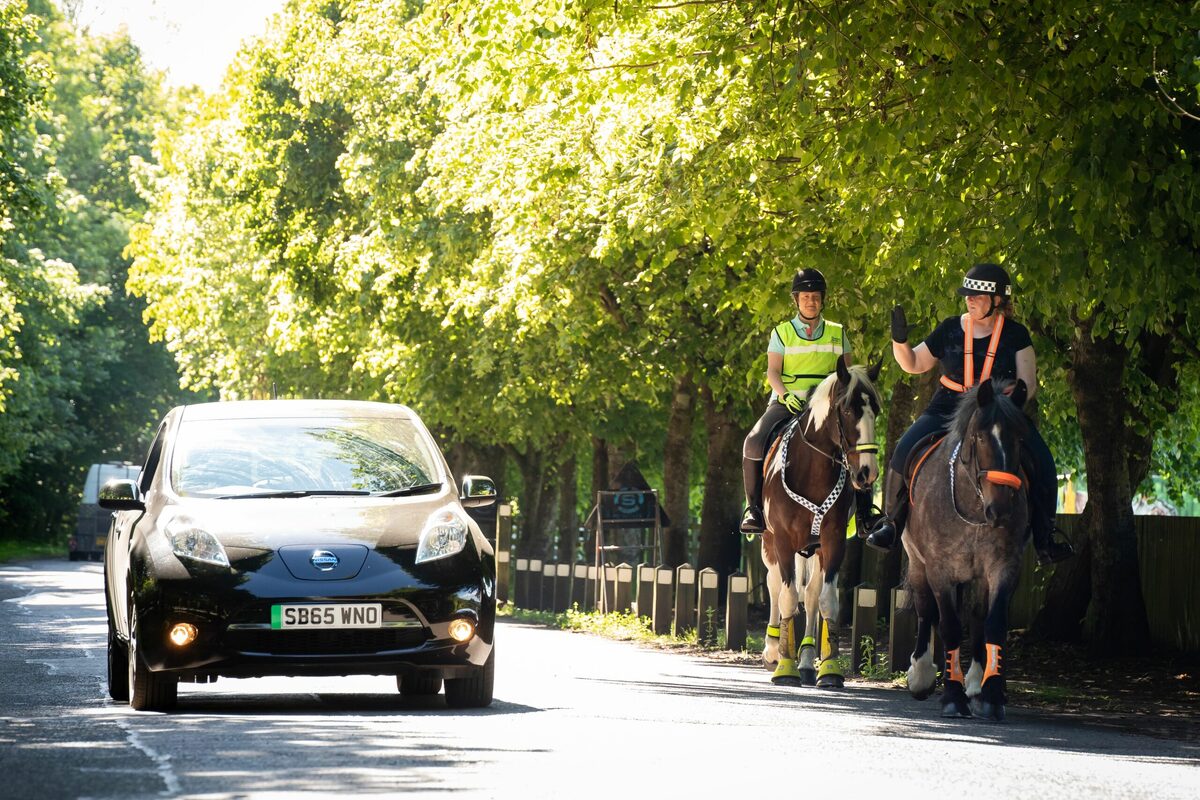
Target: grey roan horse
point(968, 525)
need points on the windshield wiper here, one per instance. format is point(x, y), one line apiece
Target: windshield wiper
point(295, 493)
point(420, 488)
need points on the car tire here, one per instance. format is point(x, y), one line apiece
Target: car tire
point(147, 691)
point(118, 666)
point(474, 691)
point(419, 683)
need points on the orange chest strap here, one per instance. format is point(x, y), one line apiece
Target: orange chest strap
point(969, 356)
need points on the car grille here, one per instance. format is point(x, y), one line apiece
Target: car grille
point(328, 642)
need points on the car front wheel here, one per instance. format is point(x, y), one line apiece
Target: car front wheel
point(147, 690)
point(474, 691)
point(419, 684)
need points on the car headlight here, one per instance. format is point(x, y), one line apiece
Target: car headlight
point(194, 543)
point(444, 534)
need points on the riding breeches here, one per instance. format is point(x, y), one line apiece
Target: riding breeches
point(755, 446)
point(1043, 494)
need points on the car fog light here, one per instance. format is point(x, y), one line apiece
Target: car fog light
point(462, 629)
point(182, 634)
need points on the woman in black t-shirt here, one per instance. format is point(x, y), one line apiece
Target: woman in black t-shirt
point(988, 322)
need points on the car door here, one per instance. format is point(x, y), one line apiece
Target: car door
point(120, 537)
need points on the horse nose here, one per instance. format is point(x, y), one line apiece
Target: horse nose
point(990, 513)
point(865, 478)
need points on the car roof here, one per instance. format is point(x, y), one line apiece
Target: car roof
point(282, 409)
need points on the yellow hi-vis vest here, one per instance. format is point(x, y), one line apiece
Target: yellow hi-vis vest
point(806, 363)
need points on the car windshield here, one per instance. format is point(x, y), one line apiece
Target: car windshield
point(295, 457)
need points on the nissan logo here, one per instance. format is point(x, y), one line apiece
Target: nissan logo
point(323, 560)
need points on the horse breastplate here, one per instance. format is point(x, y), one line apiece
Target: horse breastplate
point(818, 511)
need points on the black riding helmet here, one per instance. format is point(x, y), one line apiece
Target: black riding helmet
point(986, 279)
point(989, 279)
point(809, 280)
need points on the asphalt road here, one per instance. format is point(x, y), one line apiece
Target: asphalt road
point(574, 716)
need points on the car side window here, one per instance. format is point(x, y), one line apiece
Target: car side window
point(152, 459)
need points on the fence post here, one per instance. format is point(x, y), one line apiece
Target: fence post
point(521, 595)
point(902, 631)
point(624, 588)
point(866, 613)
point(548, 587)
point(535, 584)
point(685, 597)
point(579, 587)
point(562, 588)
point(737, 601)
point(503, 552)
point(589, 592)
point(706, 607)
point(610, 587)
point(645, 590)
point(664, 577)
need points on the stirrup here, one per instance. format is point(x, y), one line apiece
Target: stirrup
point(883, 534)
point(1054, 550)
point(752, 521)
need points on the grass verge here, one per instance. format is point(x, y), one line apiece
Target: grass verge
point(18, 549)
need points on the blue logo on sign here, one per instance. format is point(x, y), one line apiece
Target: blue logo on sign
point(323, 560)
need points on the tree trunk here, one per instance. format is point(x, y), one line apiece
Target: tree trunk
point(1116, 614)
point(677, 460)
point(722, 507)
point(568, 511)
point(536, 504)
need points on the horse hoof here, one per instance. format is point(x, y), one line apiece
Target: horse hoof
point(786, 680)
point(924, 694)
point(993, 712)
point(771, 665)
point(956, 709)
point(808, 676)
point(831, 682)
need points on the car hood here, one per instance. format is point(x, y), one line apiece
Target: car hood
point(277, 522)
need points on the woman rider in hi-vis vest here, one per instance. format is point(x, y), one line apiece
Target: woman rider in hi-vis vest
point(1001, 348)
point(803, 351)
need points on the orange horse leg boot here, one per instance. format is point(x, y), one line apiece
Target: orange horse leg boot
point(992, 669)
point(954, 666)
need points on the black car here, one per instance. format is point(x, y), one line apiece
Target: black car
point(295, 537)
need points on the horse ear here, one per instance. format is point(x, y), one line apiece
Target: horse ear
point(873, 370)
point(986, 394)
point(842, 372)
point(1020, 393)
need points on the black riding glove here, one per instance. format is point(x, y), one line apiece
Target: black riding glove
point(899, 325)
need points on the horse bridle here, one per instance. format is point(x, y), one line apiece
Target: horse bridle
point(842, 458)
point(1000, 477)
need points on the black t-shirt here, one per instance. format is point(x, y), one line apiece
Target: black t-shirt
point(946, 345)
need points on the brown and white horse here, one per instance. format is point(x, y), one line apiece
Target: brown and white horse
point(810, 477)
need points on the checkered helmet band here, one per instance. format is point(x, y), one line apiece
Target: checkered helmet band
point(989, 287)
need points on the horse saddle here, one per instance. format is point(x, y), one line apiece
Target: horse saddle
point(776, 436)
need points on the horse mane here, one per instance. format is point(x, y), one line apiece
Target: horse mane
point(1002, 411)
point(822, 399)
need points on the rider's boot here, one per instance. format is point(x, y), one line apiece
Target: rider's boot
point(888, 527)
point(1050, 550)
point(752, 478)
point(866, 515)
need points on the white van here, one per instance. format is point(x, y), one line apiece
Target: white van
point(91, 530)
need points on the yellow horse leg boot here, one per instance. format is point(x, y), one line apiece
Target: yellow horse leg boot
point(771, 647)
point(990, 702)
point(954, 694)
point(786, 673)
point(830, 676)
point(808, 661)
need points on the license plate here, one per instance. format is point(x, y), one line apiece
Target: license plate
point(332, 615)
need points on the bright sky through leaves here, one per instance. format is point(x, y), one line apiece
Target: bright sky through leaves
point(192, 41)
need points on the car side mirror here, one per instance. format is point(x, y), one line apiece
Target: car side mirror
point(120, 494)
point(477, 491)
